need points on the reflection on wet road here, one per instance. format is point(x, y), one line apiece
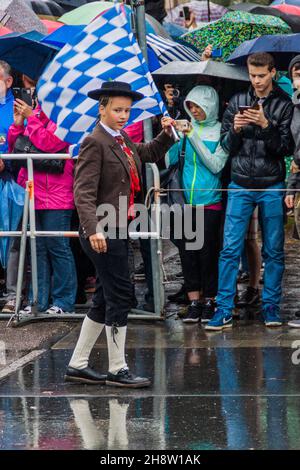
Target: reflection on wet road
point(234, 390)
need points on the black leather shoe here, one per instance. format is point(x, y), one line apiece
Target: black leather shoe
point(124, 378)
point(85, 376)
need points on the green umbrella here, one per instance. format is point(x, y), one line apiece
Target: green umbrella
point(233, 29)
point(86, 13)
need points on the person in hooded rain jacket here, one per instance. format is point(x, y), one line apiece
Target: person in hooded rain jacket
point(201, 179)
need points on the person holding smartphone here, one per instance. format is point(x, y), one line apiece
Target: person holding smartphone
point(189, 18)
point(257, 141)
point(54, 204)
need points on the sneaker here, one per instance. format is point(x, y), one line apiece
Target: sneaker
point(271, 316)
point(250, 296)
point(10, 306)
point(294, 323)
point(193, 313)
point(208, 310)
point(243, 277)
point(56, 311)
point(26, 310)
point(221, 320)
point(124, 378)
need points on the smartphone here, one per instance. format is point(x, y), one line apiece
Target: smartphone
point(182, 125)
point(218, 52)
point(23, 94)
point(186, 13)
point(244, 108)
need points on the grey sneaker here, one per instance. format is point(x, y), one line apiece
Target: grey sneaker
point(57, 311)
point(26, 310)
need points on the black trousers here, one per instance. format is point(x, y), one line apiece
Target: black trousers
point(112, 300)
point(200, 267)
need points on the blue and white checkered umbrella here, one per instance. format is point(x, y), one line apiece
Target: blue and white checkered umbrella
point(168, 51)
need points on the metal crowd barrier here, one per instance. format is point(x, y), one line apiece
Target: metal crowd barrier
point(29, 216)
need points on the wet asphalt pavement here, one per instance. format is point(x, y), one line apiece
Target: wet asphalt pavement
point(236, 389)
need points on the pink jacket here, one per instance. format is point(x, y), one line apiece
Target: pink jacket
point(135, 132)
point(50, 191)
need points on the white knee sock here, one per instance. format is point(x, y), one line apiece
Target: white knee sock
point(90, 332)
point(116, 348)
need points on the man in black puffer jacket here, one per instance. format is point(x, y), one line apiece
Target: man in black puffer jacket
point(256, 133)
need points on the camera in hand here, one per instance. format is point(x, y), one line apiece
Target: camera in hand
point(182, 125)
point(23, 94)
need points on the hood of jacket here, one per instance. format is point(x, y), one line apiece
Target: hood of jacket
point(295, 60)
point(207, 98)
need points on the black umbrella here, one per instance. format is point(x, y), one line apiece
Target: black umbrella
point(46, 8)
point(292, 20)
point(225, 78)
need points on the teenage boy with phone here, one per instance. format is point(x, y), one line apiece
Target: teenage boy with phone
point(257, 142)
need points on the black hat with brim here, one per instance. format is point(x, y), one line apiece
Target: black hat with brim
point(115, 89)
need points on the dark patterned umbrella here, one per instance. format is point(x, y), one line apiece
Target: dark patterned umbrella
point(233, 29)
point(292, 20)
point(18, 16)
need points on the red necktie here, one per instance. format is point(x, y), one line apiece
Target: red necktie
point(134, 176)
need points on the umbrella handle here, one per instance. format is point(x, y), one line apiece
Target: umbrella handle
point(175, 135)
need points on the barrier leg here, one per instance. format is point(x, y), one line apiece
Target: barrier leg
point(152, 175)
point(15, 315)
point(33, 256)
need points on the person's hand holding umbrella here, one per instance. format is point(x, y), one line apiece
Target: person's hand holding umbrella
point(2, 165)
point(206, 54)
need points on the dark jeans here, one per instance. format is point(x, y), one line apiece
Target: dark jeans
point(56, 267)
point(200, 267)
point(112, 300)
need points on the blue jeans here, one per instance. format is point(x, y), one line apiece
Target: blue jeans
point(56, 267)
point(240, 207)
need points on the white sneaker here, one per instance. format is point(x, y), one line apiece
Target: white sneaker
point(26, 310)
point(10, 306)
point(294, 323)
point(56, 311)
